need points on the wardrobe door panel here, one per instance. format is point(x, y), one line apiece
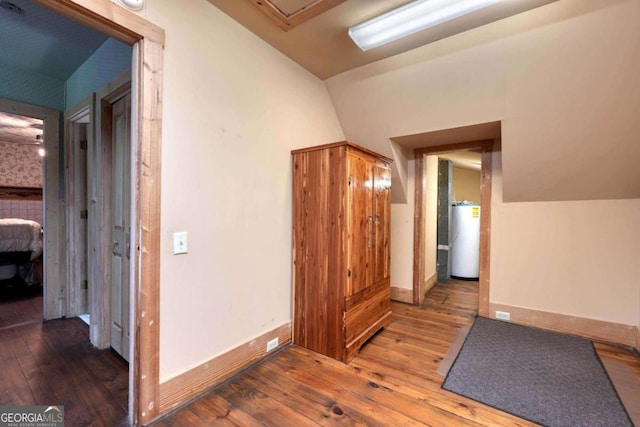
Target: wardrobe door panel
point(359, 222)
point(381, 221)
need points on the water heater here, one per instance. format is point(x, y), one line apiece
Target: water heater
point(465, 241)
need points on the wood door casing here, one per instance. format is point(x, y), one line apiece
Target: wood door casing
point(77, 134)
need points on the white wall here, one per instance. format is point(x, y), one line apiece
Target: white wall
point(233, 109)
point(562, 78)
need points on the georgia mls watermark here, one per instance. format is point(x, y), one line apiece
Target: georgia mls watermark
point(31, 416)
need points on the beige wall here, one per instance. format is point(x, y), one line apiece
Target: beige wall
point(560, 77)
point(233, 109)
point(402, 233)
point(431, 217)
point(578, 258)
point(466, 185)
point(563, 80)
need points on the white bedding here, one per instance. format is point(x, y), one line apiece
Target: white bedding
point(21, 235)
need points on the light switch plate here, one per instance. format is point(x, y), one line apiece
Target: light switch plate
point(180, 242)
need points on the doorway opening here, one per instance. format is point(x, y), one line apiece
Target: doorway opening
point(482, 138)
point(21, 210)
point(485, 149)
point(147, 41)
point(455, 215)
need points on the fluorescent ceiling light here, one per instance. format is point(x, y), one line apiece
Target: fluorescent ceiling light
point(411, 18)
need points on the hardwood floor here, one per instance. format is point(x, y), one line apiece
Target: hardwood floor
point(53, 363)
point(393, 381)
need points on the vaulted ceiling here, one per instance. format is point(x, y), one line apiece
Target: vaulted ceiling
point(314, 33)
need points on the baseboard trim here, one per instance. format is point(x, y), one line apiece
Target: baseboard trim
point(599, 330)
point(638, 339)
point(402, 294)
point(428, 284)
point(188, 385)
point(406, 295)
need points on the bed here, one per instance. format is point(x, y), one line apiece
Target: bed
point(20, 250)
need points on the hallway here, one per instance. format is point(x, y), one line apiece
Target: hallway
point(52, 363)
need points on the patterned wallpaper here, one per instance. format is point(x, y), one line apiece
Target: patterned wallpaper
point(20, 165)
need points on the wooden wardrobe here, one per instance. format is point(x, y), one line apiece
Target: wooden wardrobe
point(341, 221)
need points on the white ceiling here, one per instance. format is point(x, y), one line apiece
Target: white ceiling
point(20, 129)
point(464, 159)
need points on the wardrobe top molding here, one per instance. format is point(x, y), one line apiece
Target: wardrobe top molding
point(343, 143)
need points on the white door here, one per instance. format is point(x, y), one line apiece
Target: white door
point(121, 209)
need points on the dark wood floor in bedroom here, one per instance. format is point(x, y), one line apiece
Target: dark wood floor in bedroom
point(392, 382)
point(53, 363)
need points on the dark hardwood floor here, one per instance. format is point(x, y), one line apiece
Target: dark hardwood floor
point(53, 363)
point(392, 382)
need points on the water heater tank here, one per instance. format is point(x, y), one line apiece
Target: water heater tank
point(465, 241)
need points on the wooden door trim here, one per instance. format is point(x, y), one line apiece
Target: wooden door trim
point(486, 147)
point(148, 40)
point(418, 231)
point(54, 266)
point(481, 145)
point(108, 18)
point(73, 215)
point(485, 233)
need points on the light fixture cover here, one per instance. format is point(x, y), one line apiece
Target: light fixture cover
point(132, 4)
point(411, 18)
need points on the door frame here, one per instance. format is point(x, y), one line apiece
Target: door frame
point(72, 117)
point(486, 148)
point(147, 40)
point(54, 294)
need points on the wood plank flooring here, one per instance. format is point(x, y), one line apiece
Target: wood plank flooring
point(392, 382)
point(53, 363)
